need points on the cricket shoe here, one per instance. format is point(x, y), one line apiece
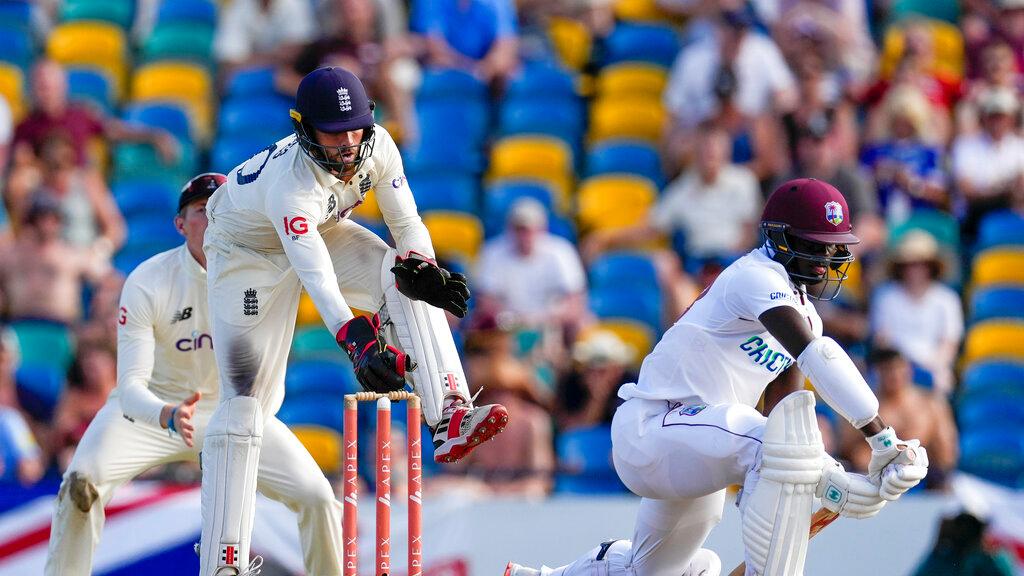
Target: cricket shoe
point(513, 569)
point(462, 429)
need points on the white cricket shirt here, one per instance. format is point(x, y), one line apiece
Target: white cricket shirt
point(718, 352)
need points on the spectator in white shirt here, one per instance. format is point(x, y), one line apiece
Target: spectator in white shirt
point(262, 32)
point(916, 313)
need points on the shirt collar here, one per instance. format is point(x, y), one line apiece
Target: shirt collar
point(190, 264)
point(327, 180)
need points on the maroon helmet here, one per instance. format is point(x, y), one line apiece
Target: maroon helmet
point(199, 187)
point(807, 226)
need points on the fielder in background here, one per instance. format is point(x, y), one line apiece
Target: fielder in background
point(688, 428)
point(281, 224)
point(166, 391)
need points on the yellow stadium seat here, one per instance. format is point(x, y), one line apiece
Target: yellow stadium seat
point(997, 339)
point(998, 266)
point(638, 335)
point(947, 46)
point(614, 201)
point(308, 314)
point(637, 117)
point(454, 234)
point(87, 43)
point(572, 41)
point(12, 89)
point(640, 11)
point(541, 158)
point(323, 444)
point(631, 79)
point(368, 210)
point(187, 84)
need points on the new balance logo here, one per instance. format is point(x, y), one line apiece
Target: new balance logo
point(250, 304)
point(183, 314)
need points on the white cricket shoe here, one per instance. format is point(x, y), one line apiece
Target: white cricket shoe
point(462, 429)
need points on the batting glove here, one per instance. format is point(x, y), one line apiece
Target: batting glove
point(850, 495)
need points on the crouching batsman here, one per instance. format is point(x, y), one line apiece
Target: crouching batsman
point(688, 429)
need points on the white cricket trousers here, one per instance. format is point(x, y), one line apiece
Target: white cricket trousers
point(680, 459)
point(114, 450)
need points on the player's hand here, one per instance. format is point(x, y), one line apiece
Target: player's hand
point(851, 495)
point(180, 419)
point(379, 367)
point(905, 471)
point(422, 279)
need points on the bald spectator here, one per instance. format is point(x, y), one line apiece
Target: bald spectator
point(41, 275)
point(52, 112)
point(262, 32)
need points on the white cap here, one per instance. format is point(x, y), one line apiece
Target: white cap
point(528, 212)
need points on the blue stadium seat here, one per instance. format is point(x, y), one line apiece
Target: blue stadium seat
point(562, 226)
point(1000, 229)
point(997, 302)
point(585, 462)
point(654, 43)
point(318, 410)
point(313, 377)
point(315, 343)
point(170, 117)
point(256, 117)
point(16, 46)
point(229, 152)
point(16, 13)
point(39, 387)
point(440, 158)
point(251, 82)
point(141, 197)
point(998, 379)
point(560, 118)
point(624, 270)
point(450, 84)
point(995, 455)
point(187, 11)
point(129, 257)
point(92, 86)
point(451, 124)
point(154, 230)
point(978, 413)
point(634, 157)
point(456, 192)
point(499, 197)
point(541, 80)
point(641, 306)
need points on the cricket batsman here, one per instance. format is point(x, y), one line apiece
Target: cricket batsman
point(279, 224)
point(158, 413)
point(688, 428)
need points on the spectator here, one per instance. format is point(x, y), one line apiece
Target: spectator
point(20, 457)
point(523, 459)
point(478, 36)
point(41, 275)
point(52, 112)
point(822, 101)
point(905, 406)
point(532, 274)
point(987, 166)
point(906, 165)
point(587, 395)
point(90, 215)
point(917, 314)
point(837, 29)
point(262, 32)
point(91, 377)
point(998, 70)
point(959, 551)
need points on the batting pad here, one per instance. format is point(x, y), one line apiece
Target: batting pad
point(423, 333)
point(778, 496)
point(231, 456)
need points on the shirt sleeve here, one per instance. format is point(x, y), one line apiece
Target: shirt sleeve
point(136, 346)
point(505, 15)
point(294, 219)
point(396, 202)
point(754, 290)
point(572, 279)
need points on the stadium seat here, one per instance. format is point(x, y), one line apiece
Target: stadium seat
point(946, 10)
point(631, 118)
point(990, 412)
point(187, 11)
point(994, 340)
point(585, 462)
point(180, 41)
point(614, 201)
point(426, 159)
point(623, 270)
point(181, 82)
point(170, 117)
point(323, 444)
point(571, 40)
point(639, 11)
point(320, 377)
point(117, 12)
point(155, 230)
point(12, 90)
point(452, 124)
point(369, 210)
point(993, 455)
point(16, 14)
point(1004, 229)
point(541, 80)
point(630, 80)
point(251, 82)
point(562, 226)
point(499, 197)
point(455, 234)
point(16, 46)
point(134, 161)
point(318, 411)
point(146, 197)
point(229, 152)
point(998, 302)
point(947, 49)
point(535, 157)
point(100, 45)
point(450, 84)
point(637, 335)
point(560, 118)
point(92, 86)
point(998, 266)
point(307, 314)
point(634, 42)
point(941, 225)
point(629, 156)
point(44, 342)
point(39, 385)
point(315, 343)
point(262, 117)
point(616, 303)
point(997, 379)
point(452, 192)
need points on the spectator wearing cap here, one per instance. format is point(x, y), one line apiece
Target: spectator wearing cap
point(532, 274)
point(915, 313)
point(478, 36)
point(902, 404)
point(41, 275)
point(987, 166)
point(262, 32)
point(21, 459)
point(53, 112)
point(586, 396)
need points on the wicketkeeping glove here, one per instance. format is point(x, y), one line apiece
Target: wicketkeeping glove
point(421, 278)
point(379, 367)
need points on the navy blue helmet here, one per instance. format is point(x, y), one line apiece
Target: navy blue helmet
point(332, 99)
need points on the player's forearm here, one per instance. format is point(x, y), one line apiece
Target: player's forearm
point(138, 402)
